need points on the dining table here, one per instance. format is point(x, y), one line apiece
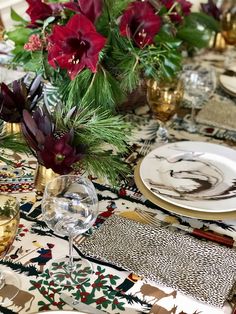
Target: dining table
point(113, 288)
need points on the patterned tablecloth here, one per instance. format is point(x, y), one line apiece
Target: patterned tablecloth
point(109, 288)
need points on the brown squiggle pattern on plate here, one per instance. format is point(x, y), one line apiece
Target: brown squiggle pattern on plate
point(208, 181)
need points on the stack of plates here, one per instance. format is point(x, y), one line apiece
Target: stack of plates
point(193, 179)
point(228, 83)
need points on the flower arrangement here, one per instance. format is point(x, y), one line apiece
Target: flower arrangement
point(65, 140)
point(98, 51)
point(13, 100)
point(62, 138)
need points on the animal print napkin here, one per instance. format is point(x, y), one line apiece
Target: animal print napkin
point(203, 270)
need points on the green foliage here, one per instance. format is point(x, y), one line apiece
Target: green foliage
point(197, 29)
point(97, 90)
point(122, 64)
point(112, 9)
point(103, 135)
point(204, 20)
point(14, 142)
point(19, 35)
point(17, 18)
point(194, 37)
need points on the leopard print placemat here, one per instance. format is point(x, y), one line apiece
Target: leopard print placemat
point(219, 112)
point(203, 270)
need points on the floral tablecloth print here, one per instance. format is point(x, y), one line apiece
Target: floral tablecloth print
point(109, 288)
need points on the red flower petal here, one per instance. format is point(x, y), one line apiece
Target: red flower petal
point(75, 46)
point(140, 23)
point(38, 10)
point(91, 8)
point(81, 24)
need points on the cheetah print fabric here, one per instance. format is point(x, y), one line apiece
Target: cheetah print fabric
point(203, 270)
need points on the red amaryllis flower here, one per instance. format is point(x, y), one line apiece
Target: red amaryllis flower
point(140, 23)
point(52, 149)
point(38, 11)
point(182, 8)
point(75, 46)
point(90, 8)
point(13, 102)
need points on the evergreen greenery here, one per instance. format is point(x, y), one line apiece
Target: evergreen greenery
point(12, 142)
point(103, 135)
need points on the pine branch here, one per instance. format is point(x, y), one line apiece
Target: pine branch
point(88, 87)
point(71, 91)
point(112, 10)
point(92, 126)
point(105, 165)
point(14, 143)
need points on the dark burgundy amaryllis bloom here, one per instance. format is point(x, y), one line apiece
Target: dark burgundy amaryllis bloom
point(40, 11)
point(210, 8)
point(140, 23)
point(182, 8)
point(14, 101)
point(59, 154)
point(75, 46)
point(92, 9)
point(52, 149)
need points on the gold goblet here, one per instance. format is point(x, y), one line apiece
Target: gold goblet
point(228, 27)
point(9, 221)
point(163, 98)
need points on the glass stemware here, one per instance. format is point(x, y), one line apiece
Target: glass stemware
point(163, 97)
point(199, 85)
point(9, 221)
point(228, 27)
point(70, 207)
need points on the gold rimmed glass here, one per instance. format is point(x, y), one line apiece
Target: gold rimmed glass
point(163, 99)
point(228, 27)
point(9, 221)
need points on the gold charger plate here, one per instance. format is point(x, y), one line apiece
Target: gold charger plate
point(229, 92)
point(177, 209)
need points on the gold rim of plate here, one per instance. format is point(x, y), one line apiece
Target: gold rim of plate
point(227, 90)
point(174, 208)
point(60, 311)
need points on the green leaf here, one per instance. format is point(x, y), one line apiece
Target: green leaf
point(34, 64)
point(113, 282)
point(165, 36)
point(100, 269)
point(48, 21)
point(16, 17)
point(194, 37)
point(20, 35)
point(200, 18)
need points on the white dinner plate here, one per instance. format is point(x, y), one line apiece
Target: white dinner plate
point(194, 175)
point(228, 83)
